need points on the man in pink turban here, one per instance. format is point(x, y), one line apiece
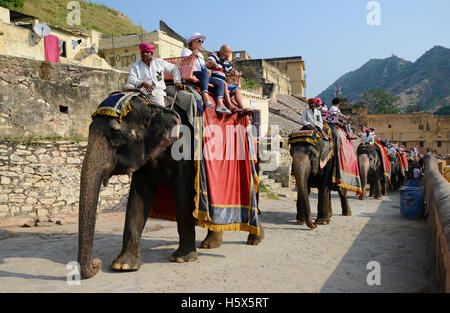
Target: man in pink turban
point(148, 73)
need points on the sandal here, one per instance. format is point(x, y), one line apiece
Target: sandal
point(223, 110)
point(208, 104)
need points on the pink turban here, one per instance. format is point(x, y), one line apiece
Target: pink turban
point(146, 47)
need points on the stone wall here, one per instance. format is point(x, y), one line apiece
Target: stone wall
point(42, 179)
point(437, 198)
point(42, 99)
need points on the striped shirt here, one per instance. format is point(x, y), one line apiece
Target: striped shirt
point(222, 67)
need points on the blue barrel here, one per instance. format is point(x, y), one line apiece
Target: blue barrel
point(411, 202)
point(413, 183)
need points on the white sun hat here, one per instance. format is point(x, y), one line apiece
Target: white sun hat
point(196, 36)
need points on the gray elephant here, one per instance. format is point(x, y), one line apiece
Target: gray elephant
point(313, 168)
point(371, 171)
point(139, 145)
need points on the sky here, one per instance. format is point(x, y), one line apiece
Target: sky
point(332, 36)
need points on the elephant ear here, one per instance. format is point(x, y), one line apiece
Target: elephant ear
point(118, 134)
point(325, 155)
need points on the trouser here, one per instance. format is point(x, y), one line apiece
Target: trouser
point(323, 133)
point(204, 79)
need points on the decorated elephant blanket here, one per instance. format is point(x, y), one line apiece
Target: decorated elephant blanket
point(403, 169)
point(226, 180)
point(384, 159)
point(116, 105)
point(346, 170)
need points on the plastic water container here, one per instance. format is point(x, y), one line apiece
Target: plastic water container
point(411, 202)
point(413, 183)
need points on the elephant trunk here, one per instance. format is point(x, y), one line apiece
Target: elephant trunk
point(97, 167)
point(302, 171)
point(364, 164)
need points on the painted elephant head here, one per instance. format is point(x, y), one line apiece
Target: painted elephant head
point(116, 149)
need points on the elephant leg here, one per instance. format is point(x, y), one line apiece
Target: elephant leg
point(254, 240)
point(213, 240)
point(378, 193)
point(346, 211)
point(372, 188)
point(184, 204)
point(301, 220)
point(323, 216)
point(140, 201)
point(330, 208)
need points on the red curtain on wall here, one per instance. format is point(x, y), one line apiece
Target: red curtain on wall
point(51, 44)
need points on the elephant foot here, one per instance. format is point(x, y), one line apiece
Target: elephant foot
point(92, 270)
point(301, 222)
point(361, 197)
point(183, 256)
point(371, 195)
point(378, 197)
point(254, 240)
point(126, 263)
point(323, 221)
point(213, 240)
point(346, 213)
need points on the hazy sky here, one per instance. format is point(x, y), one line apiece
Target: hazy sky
point(332, 36)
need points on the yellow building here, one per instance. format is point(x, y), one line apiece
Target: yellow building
point(18, 39)
point(121, 52)
point(427, 132)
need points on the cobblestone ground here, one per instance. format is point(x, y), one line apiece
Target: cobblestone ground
point(292, 258)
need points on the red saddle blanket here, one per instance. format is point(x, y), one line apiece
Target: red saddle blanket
point(226, 181)
point(346, 171)
point(384, 159)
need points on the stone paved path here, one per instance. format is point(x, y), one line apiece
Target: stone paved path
point(291, 259)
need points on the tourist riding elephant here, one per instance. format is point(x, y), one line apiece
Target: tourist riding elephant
point(140, 145)
point(313, 168)
point(370, 171)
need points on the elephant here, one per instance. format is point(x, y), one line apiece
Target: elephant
point(313, 168)
point(396, 173)
point(140, 146)
point(370, 170)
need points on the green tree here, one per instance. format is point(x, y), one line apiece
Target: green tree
point(443, 111)
point(378, 101)
point(11, 4)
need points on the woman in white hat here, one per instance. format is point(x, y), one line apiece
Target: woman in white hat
point(195, 43)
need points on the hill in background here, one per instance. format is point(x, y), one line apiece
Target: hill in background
point(93, 16)
point(422, 85)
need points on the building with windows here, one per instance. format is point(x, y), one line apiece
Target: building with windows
point(429, 133)
point(121, 52)
point(17, 38)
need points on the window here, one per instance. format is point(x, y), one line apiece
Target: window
point(439, 144)
point(389, 126)
point(420, 126)
point(404, 143)
point(421, 144)
point(62, 49)
point(64, 109)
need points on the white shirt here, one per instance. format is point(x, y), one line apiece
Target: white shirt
point(199, 63)
point(334, 110)
point(312, 117)
point(154, 75)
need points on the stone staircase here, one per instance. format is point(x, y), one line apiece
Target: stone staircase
point(277, 188)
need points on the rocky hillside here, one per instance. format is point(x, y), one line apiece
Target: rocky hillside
point(422, 85)
point(93, 16)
